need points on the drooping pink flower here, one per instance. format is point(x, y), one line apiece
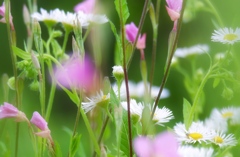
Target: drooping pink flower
point(2, 13)
point(40, 123)
point(76, 73)
point(87, 6)
point(131, 34)
point(9, 111)
point(164, 144)
point(174, 7)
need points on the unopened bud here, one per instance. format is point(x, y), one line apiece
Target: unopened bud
point(227, 93)
point(11, 83)
point(26, 15)
point(35, 61)
point(118, 73)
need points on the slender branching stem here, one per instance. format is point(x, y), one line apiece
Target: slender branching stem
point(164, 80)
point(126, 78)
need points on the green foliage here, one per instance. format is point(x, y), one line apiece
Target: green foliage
point(122, 9)
point(74, 145)
point(187, 117)
point(20, 53)
point(118, 57)
point(124, 136)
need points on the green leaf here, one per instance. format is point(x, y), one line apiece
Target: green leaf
point(129, 51)
point(124, 139)
point(118, 50)
point(20, 53)
point(74, 145)
point(121, 7)
point(113, 98)
point(187, 113)
point(216, 82)
point(57, 150)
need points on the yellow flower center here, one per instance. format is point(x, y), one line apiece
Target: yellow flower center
point(218, 139)
point(104, 97)
point(230, 37)
point(195, 136)
point(227, 114)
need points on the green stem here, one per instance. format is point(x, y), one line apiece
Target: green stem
point(65, 41)
point(90, 131)
point(12, 42)
point(198, 94)
point(102, 132)
point(143, 16)
point(154, 45)
point(122, 26)
point(215, 13)
point(50, 100)
point(169, 59)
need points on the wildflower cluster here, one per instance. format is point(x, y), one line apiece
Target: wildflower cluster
point(147, 106)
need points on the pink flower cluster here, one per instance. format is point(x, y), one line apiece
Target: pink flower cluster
point(9, 111)
point(131, 34)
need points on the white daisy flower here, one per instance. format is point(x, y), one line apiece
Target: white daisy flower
point(223, 140)
point(135, 109)
point(214, 123)
point(230, 114)
point(162, 115)
point(226, 35)
point(189, 51)
point(190, 151)
point(99, 100)
point(137, 91)
point(57, 15)
point(196, 133)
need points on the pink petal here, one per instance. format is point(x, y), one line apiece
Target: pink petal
point(141, 43)
point(86, 6)
point(143, 146)
point(7, 111)
point(173, 14)
point(131, 32)
point(76, 73)
point(39, 121)
point(175, 5)
point(165, 144)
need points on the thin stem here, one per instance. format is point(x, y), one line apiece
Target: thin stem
point(169, 59)
point(12, 42)
point(154, 45)
point(50, 100)
point(215, 13)
point(102, 132)
point(140, 25)
point(65, 41)
point(126, 78)
point(90, 131)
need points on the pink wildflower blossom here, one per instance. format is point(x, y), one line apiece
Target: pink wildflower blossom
point(131, 34)
point(2, 13)
point(76, 73)
point(40, 123)
point(174, 7)
point(9, 111)
point(87, 6)
point(164, 144)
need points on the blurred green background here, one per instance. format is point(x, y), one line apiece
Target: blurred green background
point(197, 31)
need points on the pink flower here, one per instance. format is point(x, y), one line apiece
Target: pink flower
point(2, 13)
point(9, 111)
point(76, 73)
point(164, 144)
point(174, 7)
point(131, 34)
point(40, 122)
point(86, 6)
